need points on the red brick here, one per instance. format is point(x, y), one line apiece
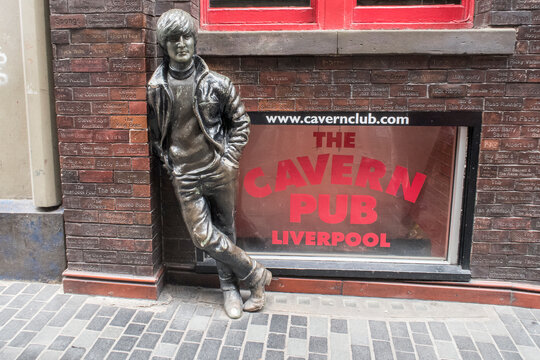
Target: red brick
point(333, 62)
point(140, 164)
point(518, 171)
point(136, 20)
point(490, 131)
point(72, 51)
point(115, 217)
point(511, 223)
point(363, 91)
point(502, 76)
point(525, 90)
point(128, 93)
point(449, 62)
point(447, 90)
point(519, 144)
point(521, 118)
point(495, 184)
point(143, 218)
point(389, 76)
point(482, 223)
point(130, 150)
point(132, 177)
point(128, 122)
point(277, 77)
point(88, 36)
point(135, 50)
point(109, 136)
point(528, 185)
point(428, 76)
point(71, 79)
point(60, 36)
point(75, 242)
point(408, 90)
point(530, 131)
point(135, 232)
point(113, 163)
point(276, 105)
point(95, 176)
point(138, 136)
point(498, 157)
point(490, 144)
point(125, 35)
point(72, 107)
point(89, 65)
point(486, 90)
point(90, 229)
point(137, 107)
point(136, 79)
point(109, 79)
point(141, 190)
point(64, 94)
point(91, 122)
point(525, 236)
point(261, 63)
point(474, 104)
point(313, 77)
point(80, 215)
point(256, 91)
point(135, 258)
point(466, 76)
point(72, 135)
point(128, 65)
point(396, 104)
point(351, 76)
point(107, 50)
point(529, 158)
point(116, 190)
point(110, 107)
point(371, 62)
point(90, 93)
point(295, 91)
point(525, 61)
point(426, 104)
point(223, 63)
point(97, 203)
point(74, 21)
point(350, 104)
point(133, 204)
point(105, 20)
point(332, 91)
point(313, 104)
point(68, 162)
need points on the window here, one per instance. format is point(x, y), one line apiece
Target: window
point(335, 14)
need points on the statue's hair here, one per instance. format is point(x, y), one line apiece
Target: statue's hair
point(175, 22)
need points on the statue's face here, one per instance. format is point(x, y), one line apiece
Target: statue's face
point(181, 49)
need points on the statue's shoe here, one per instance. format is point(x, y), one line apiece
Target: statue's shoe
point(257, 299)
point(232, 303)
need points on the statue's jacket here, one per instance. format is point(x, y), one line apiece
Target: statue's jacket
point(216, 105)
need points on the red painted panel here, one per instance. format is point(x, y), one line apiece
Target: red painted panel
point(337, 14)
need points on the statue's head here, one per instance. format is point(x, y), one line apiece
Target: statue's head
point(177, 35)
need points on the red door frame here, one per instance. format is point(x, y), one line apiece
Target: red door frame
point(337, 14)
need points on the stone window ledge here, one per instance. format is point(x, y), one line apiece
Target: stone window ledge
point(348, 42)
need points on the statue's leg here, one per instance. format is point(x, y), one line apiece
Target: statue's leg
point(198, 218)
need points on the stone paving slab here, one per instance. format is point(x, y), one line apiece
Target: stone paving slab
point(39, 321)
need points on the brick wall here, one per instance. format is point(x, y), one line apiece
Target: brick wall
point(99, 50)
point(105, 50)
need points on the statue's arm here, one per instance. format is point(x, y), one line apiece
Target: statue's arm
point(238, 125)
point(154, 112)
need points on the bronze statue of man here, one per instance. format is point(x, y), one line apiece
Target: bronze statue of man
point(199, 128)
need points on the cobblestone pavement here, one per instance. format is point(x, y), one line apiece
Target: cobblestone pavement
point(39, 321)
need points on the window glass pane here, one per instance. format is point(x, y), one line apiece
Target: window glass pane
point(386, 194)
point(258, 3)
point(406, 2)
